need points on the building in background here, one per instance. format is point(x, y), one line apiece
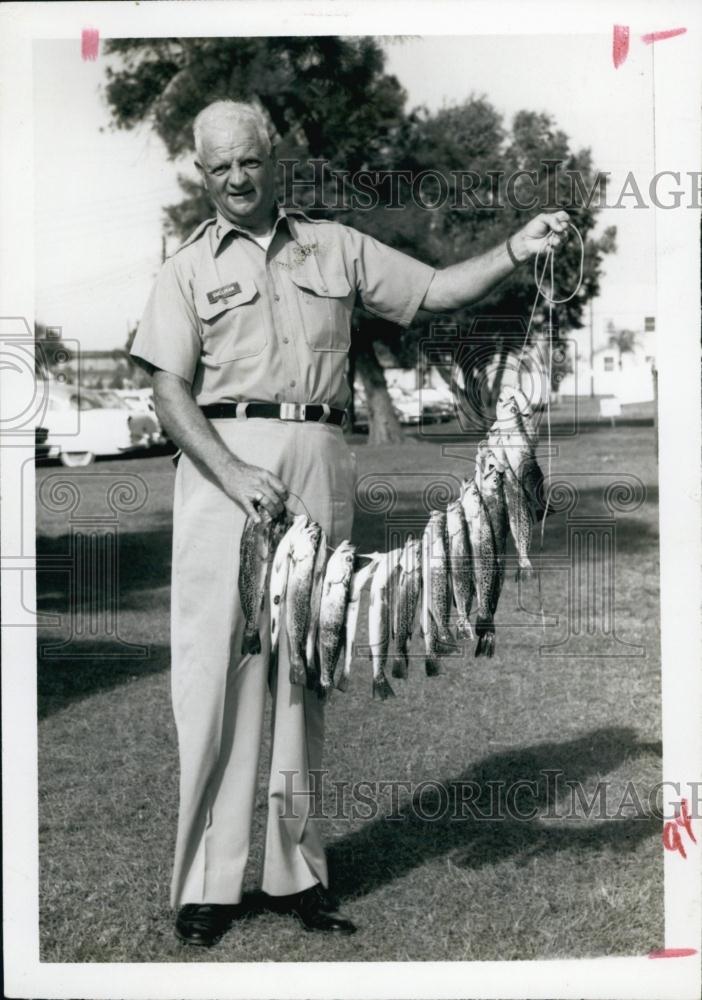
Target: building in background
point(618, 359)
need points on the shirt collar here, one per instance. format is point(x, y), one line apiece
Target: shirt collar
point(223, 226)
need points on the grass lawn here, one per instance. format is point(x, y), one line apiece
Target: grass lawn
point(453, 888)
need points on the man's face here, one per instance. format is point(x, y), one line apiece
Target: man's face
point(238, 174)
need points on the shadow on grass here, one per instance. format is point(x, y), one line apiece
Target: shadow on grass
point(93, 667)
point(144, 563)
point(387, 849)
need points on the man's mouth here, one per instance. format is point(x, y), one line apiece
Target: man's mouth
point(241, 194)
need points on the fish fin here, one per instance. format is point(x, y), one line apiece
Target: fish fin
point(341, 682)
point(432, 667)
point(400, 667)
point(251, 644)
point(486, 639)
point(381, 688)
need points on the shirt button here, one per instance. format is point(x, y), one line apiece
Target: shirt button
point(277, 298)
point(286, 340)
point(277, 397)
point(293, 383)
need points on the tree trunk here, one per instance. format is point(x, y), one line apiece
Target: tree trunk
point(383, 425)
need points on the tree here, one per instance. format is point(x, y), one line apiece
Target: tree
point(625, 341)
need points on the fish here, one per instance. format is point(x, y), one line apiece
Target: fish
point(436, 581)
point(510, 401)
point(436, 592)
point(463, 584)
point(332, 614)
point(379, 619)
point(303, 556)
point(512, 444)
point(311, 649)
point(358, 581)
point(484, 505)
point(255, 559)
point(409, 587)
point(279, 581)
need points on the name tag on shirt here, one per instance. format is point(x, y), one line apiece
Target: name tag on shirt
point(223, 293)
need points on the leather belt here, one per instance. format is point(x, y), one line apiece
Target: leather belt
point(320, 413)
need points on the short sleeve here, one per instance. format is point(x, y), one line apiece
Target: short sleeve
point(168, 336)
point(391, 284)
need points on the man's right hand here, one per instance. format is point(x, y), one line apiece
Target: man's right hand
point(257, 491)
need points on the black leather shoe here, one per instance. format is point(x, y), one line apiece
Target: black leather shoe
point(314, 909)
point(328, 902)
point(203, 924)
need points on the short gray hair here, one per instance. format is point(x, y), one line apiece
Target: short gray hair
point(231, 111)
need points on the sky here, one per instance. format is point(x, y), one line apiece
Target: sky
point(100, 192)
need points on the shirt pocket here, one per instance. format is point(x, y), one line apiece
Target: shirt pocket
point(325, 303)
point(231, 321)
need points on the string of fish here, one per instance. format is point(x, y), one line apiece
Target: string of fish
point(459, 560)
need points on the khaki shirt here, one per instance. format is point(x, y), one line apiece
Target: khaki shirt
point(240, 323)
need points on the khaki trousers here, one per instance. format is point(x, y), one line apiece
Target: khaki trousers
point(219, 695)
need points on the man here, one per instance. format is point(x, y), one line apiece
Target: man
point(246, 333)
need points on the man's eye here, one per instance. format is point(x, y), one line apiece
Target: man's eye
point(252, 163)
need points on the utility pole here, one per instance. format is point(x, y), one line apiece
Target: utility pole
point(592, 352)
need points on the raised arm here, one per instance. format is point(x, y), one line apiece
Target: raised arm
point(463, 283)
point(192, 432)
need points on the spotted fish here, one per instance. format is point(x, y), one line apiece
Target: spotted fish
point(332, 613)
point(409, 586)
point(303, 556)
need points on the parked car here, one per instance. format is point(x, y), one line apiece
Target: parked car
point(42, 448)
point(85, 423)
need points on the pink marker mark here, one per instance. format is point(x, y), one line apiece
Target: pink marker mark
point(89, 43)
point(620, 44)
point(672, 952)
point(660, 36)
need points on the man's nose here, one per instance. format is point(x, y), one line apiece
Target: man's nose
point(237, 177)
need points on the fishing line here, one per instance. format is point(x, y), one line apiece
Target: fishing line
point(330, 548)
point(551, 300)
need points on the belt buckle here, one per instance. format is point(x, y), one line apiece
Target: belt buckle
point(293, 411)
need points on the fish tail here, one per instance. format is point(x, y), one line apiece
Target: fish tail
point(486, 638)
point(400, 666)
point(298, 675)
point(381, 688)
point(341, 682)
point(432, 666)
point(251, 644)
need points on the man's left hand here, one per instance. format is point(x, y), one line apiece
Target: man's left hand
point(550, 229)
